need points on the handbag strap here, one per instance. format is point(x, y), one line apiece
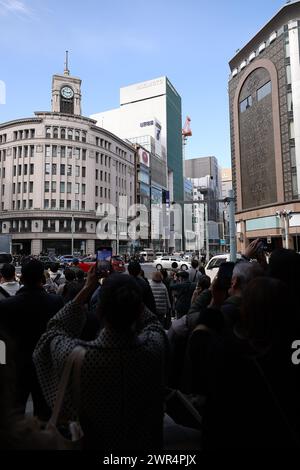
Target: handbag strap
point(73, 362)
point(282, 413)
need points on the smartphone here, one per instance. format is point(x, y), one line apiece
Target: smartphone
point(225, 274)
point(103, 260)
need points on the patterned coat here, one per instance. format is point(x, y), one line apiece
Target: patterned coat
point(122, 379)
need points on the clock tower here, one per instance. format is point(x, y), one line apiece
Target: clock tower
point(66, 92)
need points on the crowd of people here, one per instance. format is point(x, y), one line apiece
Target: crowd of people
point(225, 346)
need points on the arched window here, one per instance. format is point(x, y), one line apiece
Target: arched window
point(55, 133)
point(63, 133)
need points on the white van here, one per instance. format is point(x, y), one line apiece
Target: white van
point(148, 255)
point(212, 267)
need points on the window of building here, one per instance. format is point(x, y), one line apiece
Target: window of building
point(15, 170)
point(47, 168)
point(48, 132)
point(19, 170)
point(83, 154)
point(83, 188)
point(48, 151)
point(97, 174)
point(288, 75)
point(293, 156)
point(62, 187)
point(25, 187)
point(264, 91)
point(83, 205)
point(53, 186)
point(54, 168)
point(245, 104)
point(31, 168)
point(96, 190)
point(24, 204)
point(19, 188)
point(30, 203)
point(53, 203)
point(76, 188)
point(19, 204)
point(77, 135)
point(77, 153)
point(54, 150)
point(32, 133)
point(61, 204)
point(77, 205)
point(55, 133)
point(77, 170)
point(31, 154)
point(26, 151)
point(62, 169)
point(68, 204)
point(46, 203)
point(69, 151)
point(69, 170)
point(97, 157)
point(101, 191)
point(70, 134)
point(31, 186)
point(83, 170)
point(14, 188)
point(20, 152)
point(47, 186)
point(83, 136)
point(69, 187)
point(292, 130)
point(63, 133)
point(63, 152)
point(290, 101)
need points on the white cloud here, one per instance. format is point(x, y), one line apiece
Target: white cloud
point(15, 7)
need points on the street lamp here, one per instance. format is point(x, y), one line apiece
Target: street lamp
point(284, 216)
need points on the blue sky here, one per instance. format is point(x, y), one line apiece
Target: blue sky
point(115, 43)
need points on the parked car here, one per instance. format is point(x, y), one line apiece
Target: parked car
point(117, 263)
point(171, 262)
point(47, 261)
point(212, 267)
point(66, 259)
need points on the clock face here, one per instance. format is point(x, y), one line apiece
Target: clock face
point(67, 92)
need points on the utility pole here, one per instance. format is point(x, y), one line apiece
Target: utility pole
point(232, 228)
point(206, 231)
point(72, 235)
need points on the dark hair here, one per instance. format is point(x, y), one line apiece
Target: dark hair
point(164, 274)
point(69, 274)
point(121, 301)
point(8, 271)
point(263, 306)
point(284, 265)
point(54, 267)
point(183, 275)
point(32, 272)
point(195, 263)
point(134, 268)
point(204, 282)
point(75, 261)
point(80, 275)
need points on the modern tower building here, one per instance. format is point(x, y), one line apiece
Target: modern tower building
point(150, 115)
point(264, 95)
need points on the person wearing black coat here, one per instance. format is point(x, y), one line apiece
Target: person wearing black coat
point(24, 317)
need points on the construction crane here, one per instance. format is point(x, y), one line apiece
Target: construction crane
point(186, 131)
